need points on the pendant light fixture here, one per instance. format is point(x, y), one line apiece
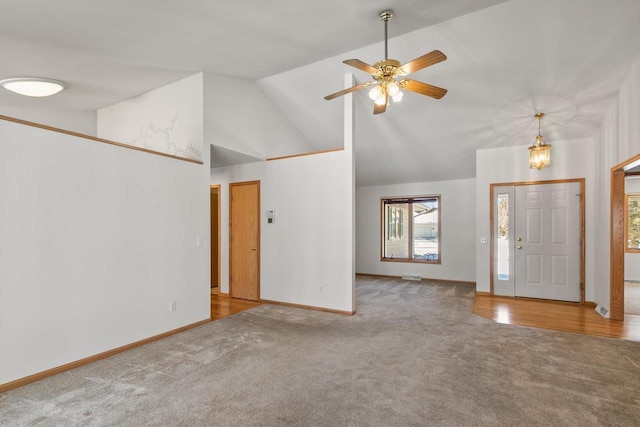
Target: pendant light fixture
point(539, 152)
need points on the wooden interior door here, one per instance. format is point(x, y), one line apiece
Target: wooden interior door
point(547, 231)
point(244, 240)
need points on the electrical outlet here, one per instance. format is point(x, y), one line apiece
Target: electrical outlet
point(320, 289)
point(483, 240)
point(172, 306)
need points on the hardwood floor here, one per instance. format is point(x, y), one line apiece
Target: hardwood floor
point(222, 305)
point(555, 315)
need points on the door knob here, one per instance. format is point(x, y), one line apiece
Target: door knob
point(253, 249)
point(519, 239)
point(519, 247)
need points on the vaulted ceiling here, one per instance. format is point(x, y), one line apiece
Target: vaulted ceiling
point(506, 61)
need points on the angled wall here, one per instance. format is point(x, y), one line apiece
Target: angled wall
point(167, 119)
point(239, 116)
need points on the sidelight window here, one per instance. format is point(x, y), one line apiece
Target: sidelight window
point(632, 222)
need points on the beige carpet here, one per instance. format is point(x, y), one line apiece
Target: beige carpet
point(413, 355)
point(632, 298)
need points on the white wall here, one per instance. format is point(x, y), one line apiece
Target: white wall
point(569, 159)
point(309, 246)
point(619, 140)
point(632, 260)
point(239, 116)
point(79, 121)
point(168, 119)
point(95, 241)
point(457, 204)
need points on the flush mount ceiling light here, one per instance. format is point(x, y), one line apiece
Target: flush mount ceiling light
point(388, 75)
point(539, 152)
point(33, 86)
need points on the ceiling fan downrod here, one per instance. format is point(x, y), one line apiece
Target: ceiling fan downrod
point(385, 15)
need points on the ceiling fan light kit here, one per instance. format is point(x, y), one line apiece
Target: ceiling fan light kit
point(388, 75)
point(539, 152)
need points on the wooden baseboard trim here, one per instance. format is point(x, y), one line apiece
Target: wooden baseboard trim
point(423, 279)
point(590, 304)
point(309, 307)
point(483, 294)
point(72, 365)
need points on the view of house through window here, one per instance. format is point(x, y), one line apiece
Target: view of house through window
point(411, 229)
point(632, 222)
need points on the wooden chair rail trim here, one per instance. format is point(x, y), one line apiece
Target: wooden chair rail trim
point(309, 307)
point(93, 138)
point(311, 153)
point(72, 365)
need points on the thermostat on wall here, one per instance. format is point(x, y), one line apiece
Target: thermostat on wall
point(271, 216)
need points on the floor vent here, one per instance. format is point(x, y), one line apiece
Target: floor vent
point(411, 277)
point(602, 311)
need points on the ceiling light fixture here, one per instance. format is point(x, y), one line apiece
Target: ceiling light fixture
point(539, 152)
point(32, 86)
point(388, 75)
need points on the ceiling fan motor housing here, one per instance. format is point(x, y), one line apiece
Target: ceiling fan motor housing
point(387, 68)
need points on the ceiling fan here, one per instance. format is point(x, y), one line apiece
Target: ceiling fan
point(388, 75)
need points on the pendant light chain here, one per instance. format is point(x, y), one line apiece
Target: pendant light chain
point(539, 120)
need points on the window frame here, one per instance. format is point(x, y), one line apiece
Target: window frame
point(408, 227)
point(627, 198)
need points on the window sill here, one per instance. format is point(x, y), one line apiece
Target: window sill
point(412, 261)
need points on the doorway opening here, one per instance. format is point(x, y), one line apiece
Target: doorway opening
point(630, 167)
point(215, 238)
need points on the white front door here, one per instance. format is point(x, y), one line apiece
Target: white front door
point(544, 242)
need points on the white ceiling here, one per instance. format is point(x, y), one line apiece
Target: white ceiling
point(506, 61)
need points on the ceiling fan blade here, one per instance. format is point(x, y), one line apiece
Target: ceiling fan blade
point(346, 91)
point(423, 88)
point(377, 109)
point(423, 62)
point(356, 63)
